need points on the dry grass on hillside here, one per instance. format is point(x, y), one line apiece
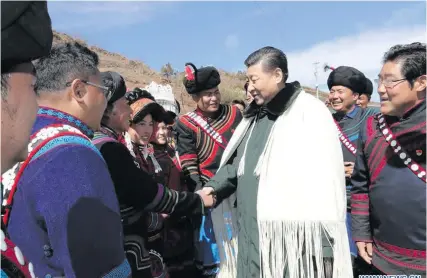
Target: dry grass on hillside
point(138, 74)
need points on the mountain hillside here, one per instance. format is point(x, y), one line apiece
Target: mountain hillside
point(138, 74)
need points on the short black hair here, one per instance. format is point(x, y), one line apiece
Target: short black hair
point(167, 117)
point(271, 58)
point(368, 96)
point(65, 62)
point(239, 101)
point(412, 58)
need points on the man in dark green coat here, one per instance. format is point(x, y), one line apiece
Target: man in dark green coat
point(277, 104)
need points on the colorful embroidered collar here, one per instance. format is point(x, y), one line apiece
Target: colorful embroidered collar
point(66, 119)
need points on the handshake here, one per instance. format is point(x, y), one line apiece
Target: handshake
point(208, 196)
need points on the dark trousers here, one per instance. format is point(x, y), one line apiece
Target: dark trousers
point(189, 273)
point(360, 267)
point(193, 273)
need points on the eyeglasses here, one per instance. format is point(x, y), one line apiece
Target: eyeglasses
point(105, 90)
point(390, 84)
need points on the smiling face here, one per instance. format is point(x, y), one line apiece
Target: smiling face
point(143, 130)
point(264, 85)
point(342, 99)
point(397, 95)
point(363, 101)
point(161, 133)
point(208, 100)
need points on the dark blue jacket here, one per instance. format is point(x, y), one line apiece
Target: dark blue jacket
point(65, 215)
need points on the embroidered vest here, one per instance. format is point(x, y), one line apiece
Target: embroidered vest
point(43, 141)
point(13, 261)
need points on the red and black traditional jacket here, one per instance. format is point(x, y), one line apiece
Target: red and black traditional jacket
point(389, 191)
point(201, 142)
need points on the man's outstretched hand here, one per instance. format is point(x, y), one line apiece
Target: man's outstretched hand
point(208, 196)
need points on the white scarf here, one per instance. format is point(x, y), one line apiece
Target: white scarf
point(301, 192)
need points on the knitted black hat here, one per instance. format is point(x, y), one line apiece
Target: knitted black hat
point(26, 32)
point(348, 77)
point(197, 80)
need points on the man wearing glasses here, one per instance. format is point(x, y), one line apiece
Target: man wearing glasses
point(389, 180)
point(62, 210)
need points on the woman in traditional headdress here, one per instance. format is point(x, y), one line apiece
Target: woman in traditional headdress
point(164, 96)
point(177, 235)
point(146, 113)
point(172, 126)
point(137, 192)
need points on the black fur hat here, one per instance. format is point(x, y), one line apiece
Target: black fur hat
point(197, 80)
point(348, 77)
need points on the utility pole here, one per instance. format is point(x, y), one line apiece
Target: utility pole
point(315, 75)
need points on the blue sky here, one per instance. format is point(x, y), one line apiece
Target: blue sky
point(223, 34)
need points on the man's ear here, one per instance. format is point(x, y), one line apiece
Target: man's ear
point(78, 90)
point(278, 75)
point(420, 83)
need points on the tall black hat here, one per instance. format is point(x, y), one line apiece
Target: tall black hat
point(197, 80)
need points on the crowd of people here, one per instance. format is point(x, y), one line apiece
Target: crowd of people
point(102, 180)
